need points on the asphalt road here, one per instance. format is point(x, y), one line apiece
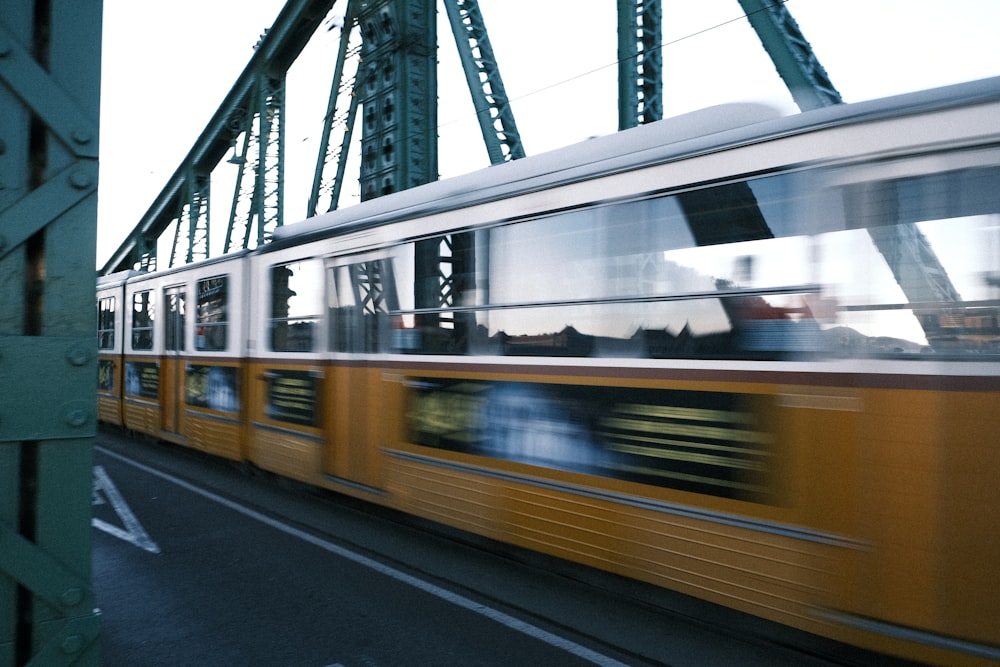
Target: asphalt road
point(205, 562)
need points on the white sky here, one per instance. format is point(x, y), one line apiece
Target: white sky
point(168, 66)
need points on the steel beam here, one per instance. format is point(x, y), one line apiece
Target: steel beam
point(277, 50)
point(489, 97)
point(791, 54)
point(258, 203)
point(640, 62)
point(331, 163)
point(49, 100)
point(398, 95)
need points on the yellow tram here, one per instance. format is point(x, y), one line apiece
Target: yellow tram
point(748, 358)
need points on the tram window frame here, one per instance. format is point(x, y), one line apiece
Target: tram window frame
point(143, 333)
point(106, 311)
point(941, 206)
point(641, 255)
point(296, 332)
point(212, 314)
point(175, 318)
point(360, 297)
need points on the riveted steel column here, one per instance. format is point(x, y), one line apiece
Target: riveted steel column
point(640, 63)
point(49, 102)
point(398, 94)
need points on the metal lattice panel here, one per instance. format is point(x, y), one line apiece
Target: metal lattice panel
point(640, 63)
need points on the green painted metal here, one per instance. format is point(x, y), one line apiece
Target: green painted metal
point(496, 119)
point(640, 62)
point(396, 87)
point(326, 188)
point(275, 53)
point(192, 231)
point(398, 92)
point(258, 203)
point(49, 100)
point(792, 55)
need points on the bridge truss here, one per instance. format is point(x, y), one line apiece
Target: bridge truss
point(50, 60)
point(386, 75)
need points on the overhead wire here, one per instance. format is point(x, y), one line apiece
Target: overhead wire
point(616, 63)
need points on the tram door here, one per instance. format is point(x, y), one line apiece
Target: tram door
point(361, 293)
point(172, 367)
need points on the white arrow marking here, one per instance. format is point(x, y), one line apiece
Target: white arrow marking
point(133, 533)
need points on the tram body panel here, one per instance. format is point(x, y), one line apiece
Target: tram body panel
point(868, 507)
point(183, 355)
point(109, 399)
point(213, 369)
point(360, 413)
point(110, 327)
point(930, 461)
point(760, 557)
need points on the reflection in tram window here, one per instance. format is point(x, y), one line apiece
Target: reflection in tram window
point(760, 269)
point(296, 304)
point(360, 297)
point(174, 299)
point(654, 277)
point(916, 272)
point(143, 319)
point(210, 332)
point(106, 323)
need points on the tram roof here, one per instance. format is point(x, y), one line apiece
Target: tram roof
point(711, 129)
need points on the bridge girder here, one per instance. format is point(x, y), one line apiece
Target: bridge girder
point(50, 60)
point(396, 87)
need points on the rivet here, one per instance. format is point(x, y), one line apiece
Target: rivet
point(71, 597)
point(72, 644)
point(81, 135)
point(77, 356)
point(76, 418)
point(80, 179)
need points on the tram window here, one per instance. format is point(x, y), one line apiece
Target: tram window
point(435, 281)
point(345, 327)
point(143, 319)
point(296, 304)
point(212, 314)
point(106, 323)
point(360, 297)
point(915, 272)
point(174, 299)
point(658, 276)
point(632, 249)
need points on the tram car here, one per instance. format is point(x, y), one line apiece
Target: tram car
point(750, 358)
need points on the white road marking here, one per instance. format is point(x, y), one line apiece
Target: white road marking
point(133, 532)
point(500, 617)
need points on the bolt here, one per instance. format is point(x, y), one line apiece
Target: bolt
point(76, 418)
point(71, 597)
point(77, 356)
point(72, 644)
point(81, 135)
point(80, 179)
